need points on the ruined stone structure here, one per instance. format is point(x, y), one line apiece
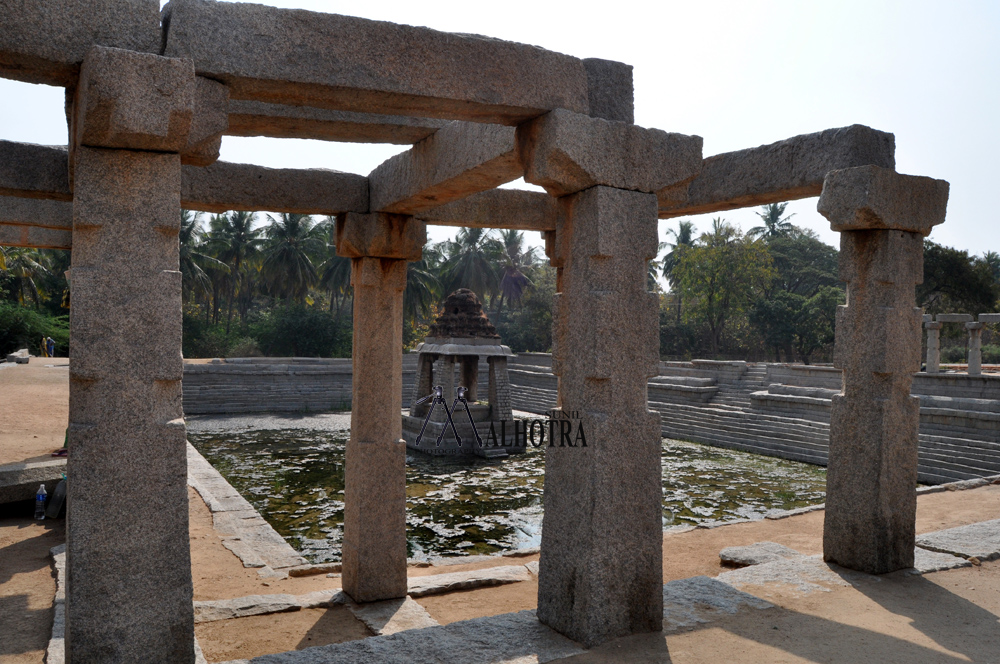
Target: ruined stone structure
point(460, 336)
point(149, 96)
point(933, 326)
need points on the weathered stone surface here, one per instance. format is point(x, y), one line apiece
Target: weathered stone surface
point(312, 570)
point(978, 540)
point(498, 208)
point(19, 211)
point(255, 118)
point(609, 89)
point(603, 522)
point(509, 637)
point(975, 364)
point(21, 356)
point(240, 607)
point(459, 159)
point(566, 152)
point(873, 197)
point(954, 318)
point(380, 234)
point(756, 554)
point(439, 584)
point(700, 599)
point(127, 435)
point(55, 652)
point(354, 64)
point(32, 236)
point(806, 573)
point(209, 122)
point(532, 567)
point(44, 41)
point(225, 186)
point(782, 171)
point(133, 100)
point(989, 318)
point(462, 315)
point(374, 544)
point(19, 481)
point(933, 364)
point(925, 562)
point(34, 171)
point(393, 615)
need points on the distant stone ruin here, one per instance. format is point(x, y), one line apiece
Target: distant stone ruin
point(149, 96)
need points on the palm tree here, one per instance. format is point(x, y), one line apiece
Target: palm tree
point(25, 267)
point(236, 242)
point(470, 263)
point(423, 287)
point(195, 280)
point(292, 242)
point(516, 263)
point(683, 237)
point(774, 225)
point(335, 270)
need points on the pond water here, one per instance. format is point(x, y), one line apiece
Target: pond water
point(292, 471)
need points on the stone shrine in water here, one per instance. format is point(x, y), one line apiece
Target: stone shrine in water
point(460, 337)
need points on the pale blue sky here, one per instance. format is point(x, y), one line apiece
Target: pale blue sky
point(739, 74)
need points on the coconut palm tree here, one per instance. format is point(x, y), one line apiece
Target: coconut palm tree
point(423, 287)
point(236, 242)
point(683, 237)
point(293, 240)
point(334, 271)
point(774, 225)
point(516, 263)
point(25, 267)
point(195, 280)
point(471, 257)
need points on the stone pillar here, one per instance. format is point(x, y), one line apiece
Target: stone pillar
point(600, 573)
point(423, 384)
point(129, 595)
point(470, 376)
point(933, 347)
point(444, 373)
point(872, 469)
point(499, 389)
point(374, 547)
point(975, 348)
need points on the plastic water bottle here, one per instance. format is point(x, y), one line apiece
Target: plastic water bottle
point(40, 502)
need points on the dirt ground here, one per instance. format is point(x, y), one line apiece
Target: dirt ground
point(947, 616)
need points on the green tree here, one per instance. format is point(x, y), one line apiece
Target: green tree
point(236, 243)
point(683, 237)
point(516, 263)
point(955, 282)
point(804, 263)
point(774, 224)
point(193, 259)
point(471, 257)
point(24, 268)
point(721, 276)
point(293, 240)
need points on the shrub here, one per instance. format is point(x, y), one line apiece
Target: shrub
point(244, 347)
point(21, 327)
point(991, 354)
point(301, 332)
point(953, 355)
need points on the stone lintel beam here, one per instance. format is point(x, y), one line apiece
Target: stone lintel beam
point(209, 123)
point(610, 90)
point(34, 171)
point(133, 101)
point(347, 63)
point(380, 235)
point(875, 198)
point(15, 211)
point(460, 159)
point(255, 118)
point(226, 186)
point(45, 41)
point(954, 318)
point(499, 208)
point(787, 170)
point(567, 152)
point(35, 237)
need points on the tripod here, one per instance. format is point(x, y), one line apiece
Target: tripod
point(438, 398)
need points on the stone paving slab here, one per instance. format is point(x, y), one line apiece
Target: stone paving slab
point(392, 616)
point(508, 638)
point(977, 540)
point(700, 599)
point(437, 584)
point(756, 554)
point(256, 605)
point(807, 574)
point(925, 562)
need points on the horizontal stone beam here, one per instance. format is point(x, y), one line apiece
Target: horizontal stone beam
point(255, 118)
point(34, 171)
point(225, 186)
point(782, 171)
point(35, 237)
point(460, 159)
point(18, 211)
point(499, 208)
point(44, 41)
point(305, 58)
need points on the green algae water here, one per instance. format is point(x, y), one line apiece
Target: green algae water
point(294, 476)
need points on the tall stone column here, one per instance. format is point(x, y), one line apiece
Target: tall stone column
point(374, 545)
point(129, 596)
point(872, 470)
point(600, 573)
point(975, 348)
point(933, 346)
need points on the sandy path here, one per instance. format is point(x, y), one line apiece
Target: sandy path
point(34, 408)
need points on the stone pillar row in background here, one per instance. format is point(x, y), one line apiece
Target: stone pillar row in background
point(882, 217)
point(975, 328)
